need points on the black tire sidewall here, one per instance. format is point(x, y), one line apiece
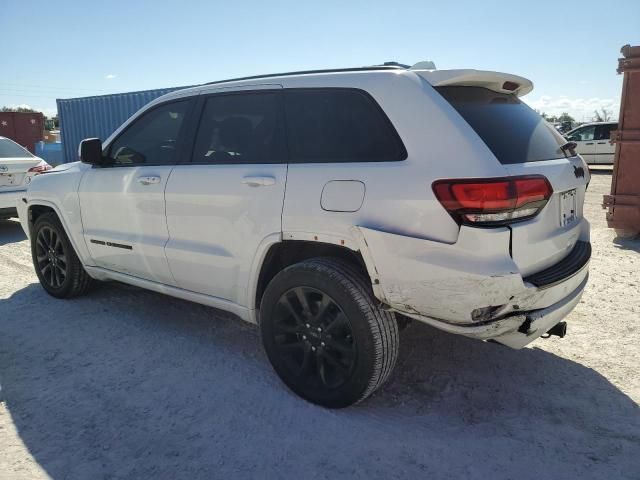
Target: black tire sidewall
point(305, 275)
point(53, 223)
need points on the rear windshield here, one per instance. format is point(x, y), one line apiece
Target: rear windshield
point(512, 131)
point(9, 149)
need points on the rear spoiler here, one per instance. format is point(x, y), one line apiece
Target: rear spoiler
point(496, 81)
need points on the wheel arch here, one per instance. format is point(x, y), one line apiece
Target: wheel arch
point(37, 208)
point(282, 254)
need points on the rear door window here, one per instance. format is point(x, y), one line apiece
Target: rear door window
point(603, 132)
point(338, 125)
point(241, 128)
point(512, 130)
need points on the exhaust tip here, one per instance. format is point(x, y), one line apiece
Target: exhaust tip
point(558, 330)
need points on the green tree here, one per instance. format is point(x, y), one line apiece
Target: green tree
point(19, 109)
point(602, 116)
point(565, 117)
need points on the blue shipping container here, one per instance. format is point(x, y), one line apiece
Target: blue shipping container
point(50, 153)
point(98, 116)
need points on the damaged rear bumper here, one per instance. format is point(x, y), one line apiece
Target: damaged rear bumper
point(516, 330)
point(473, 287)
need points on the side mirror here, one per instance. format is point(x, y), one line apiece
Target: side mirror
point(91, 151)
point(574, 138)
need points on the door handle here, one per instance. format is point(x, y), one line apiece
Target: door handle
point(148, 180)
point(259, 181)
point(590, 143)
point(601, 143)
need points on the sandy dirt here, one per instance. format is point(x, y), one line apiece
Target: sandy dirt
point(125, 383)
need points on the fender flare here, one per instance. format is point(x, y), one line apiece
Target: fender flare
point(81, 250)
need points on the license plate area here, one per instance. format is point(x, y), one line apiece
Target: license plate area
point(8, 179)
point(568, 207)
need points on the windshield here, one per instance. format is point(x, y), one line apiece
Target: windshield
point(10, 149)
point(513, 132)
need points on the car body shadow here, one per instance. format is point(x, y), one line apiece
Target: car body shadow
point(126, 383)
point(11, 232)
point(600, 169)
point(627, 243)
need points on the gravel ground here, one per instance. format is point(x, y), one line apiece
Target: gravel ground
point(125, 383)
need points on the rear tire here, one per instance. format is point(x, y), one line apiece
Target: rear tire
point(58, 267)
point(324, 333)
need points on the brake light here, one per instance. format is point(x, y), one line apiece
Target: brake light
point(511, 86)
point(493, 201)
point(40, 168)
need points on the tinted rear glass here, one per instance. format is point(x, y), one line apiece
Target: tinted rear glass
point(512, 131)
point(241, 128)
point(603, 132)
point(9, 149)
point(339, 125)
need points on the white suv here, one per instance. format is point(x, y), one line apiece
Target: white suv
point(326, 206)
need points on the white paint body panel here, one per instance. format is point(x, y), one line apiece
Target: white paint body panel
point(216, 224)
point(605, 151)
point(595, 150)
point(118, 208)
point(202, 232)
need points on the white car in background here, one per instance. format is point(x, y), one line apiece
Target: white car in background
point(17, 167)
point(592, 140)
point(328, 207)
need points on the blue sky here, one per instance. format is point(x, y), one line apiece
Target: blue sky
point(68, 49)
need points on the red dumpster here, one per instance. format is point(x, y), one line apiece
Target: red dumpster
point(25, 128)
point(623, 203)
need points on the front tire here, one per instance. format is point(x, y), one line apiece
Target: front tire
point(324, 333)
point(58, 267)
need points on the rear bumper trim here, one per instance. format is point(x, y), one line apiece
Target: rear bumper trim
point(515, 330)
point(566, 268)
point(8, 198)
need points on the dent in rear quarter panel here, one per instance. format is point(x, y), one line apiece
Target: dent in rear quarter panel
point(438, 280)
point(58, 189)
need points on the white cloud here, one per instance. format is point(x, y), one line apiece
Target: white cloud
point(579, 108)
point(49, 112)
point(110, 76)
point(22, 105)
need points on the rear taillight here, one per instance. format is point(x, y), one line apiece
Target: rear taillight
point(493, 201)
point(40, 168)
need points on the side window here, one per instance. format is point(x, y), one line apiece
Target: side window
point(339, 125)
point(241, 128)
point(585, 134)
point(603, 132)
point(152, 138)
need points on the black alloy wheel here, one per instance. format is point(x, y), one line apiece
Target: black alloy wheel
point(56, 263)
point(51, 257)
point(325, 333)
point(315, 337)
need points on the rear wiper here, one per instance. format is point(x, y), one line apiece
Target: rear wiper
point(569, 146)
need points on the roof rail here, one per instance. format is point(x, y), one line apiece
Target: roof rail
point(307, 72)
